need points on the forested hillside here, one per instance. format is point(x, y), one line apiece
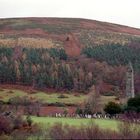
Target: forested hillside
point(41, 68)
point(115, 54)
point(68, 54)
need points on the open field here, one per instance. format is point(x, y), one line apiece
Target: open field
point(70, 98)
point(102, 123)
point(6, 94)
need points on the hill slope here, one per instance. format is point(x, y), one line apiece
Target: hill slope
point(48, 52)
point(69, 33)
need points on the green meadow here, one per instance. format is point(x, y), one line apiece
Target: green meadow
point(102, 123)
point(47, 97)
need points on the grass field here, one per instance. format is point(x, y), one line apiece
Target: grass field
point(6, 94)
point(102, 123)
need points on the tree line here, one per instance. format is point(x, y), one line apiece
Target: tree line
point(51, 68)
point(40, 67)
point(115, 54)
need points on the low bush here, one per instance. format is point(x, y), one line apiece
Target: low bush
point(112, 108)
point(133, 104)
point(57, 104)
point(1, 89)
point(63, 96)
point(10, 91)
point(5, 125)
point(111, 93)
point(32, 92)
point(125, 131)
point(77, 95)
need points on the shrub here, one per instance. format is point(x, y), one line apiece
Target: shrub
point(88, 109)
point(17, 122)
point(1, 102)
point(29, 133)
point(5, 137)
point(77, 95)
point(111, 93)
point(65, 112)
point(57, 104)
point(32, 92)
point(133, 104)
point(29, 120)
point(128, 130)
point(112, 108)
point(10, 91)
point(79, 111)
point(19, 101)
point(1, 89)
point(59, 131)
point(5, 125)
point(117, 98)
point(63, 96)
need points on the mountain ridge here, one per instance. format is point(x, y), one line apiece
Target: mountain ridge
point(84, 19)
point(92, 22)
